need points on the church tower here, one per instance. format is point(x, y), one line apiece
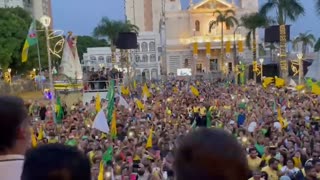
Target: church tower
point(251, 5)
point(173, 5)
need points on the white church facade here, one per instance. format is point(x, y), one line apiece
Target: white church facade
point(182, 36)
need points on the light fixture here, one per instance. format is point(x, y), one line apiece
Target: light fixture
point(261, 60)
point(46, 21)
point(34, 70)
point(299, 55)
point(9, 70)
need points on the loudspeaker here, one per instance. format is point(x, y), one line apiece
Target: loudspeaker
point(127, 40)
point(272, 34)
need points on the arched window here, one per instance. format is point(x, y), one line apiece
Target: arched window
point(101, 59)
point(153, 58)
point(137, 58)
point(145, 58)
point(197, 25)
point(152, 46)
point(93, 58)
point(144, 47)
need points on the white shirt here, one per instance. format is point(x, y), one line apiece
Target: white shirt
point(11, 167)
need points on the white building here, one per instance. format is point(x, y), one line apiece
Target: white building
point(145, 60)
point(178, 30)
point(37, 8)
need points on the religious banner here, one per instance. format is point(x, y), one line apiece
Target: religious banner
point(208, 50)
point(195, 48)
point(240, 46)
point(228, 47)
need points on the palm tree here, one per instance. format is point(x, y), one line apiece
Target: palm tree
point(285, 10)
point(224, 18)
point(252, 22)
point(111, 29)
point(306, 39)
point(317, 46)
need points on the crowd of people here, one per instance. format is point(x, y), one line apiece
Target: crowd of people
point(197, 128)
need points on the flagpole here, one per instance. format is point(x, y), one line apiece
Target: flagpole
point(38, 51)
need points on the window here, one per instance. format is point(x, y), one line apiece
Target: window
point(186, 63)
point(213, 64)
point(153, 58)
point(144, 47)
point(101, 59)
point(197, 25)
point(199, 67)
point(93, 58)
point(109, 60)
point(144, 58)
point(152, 46)
point(137, 58)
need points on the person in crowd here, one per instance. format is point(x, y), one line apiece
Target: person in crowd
point(220, 157)
point(56, 162)
point(14, 136)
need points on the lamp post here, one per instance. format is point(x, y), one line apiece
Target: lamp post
point(46, 21)
point(261, 62)
point(235, 60)
point(300, 56)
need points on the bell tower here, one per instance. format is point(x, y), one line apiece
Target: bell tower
point(173, 5)
point(250, 5)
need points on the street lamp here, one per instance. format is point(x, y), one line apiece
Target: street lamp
point(261, 62)
point(46, 21)
point(300, 56)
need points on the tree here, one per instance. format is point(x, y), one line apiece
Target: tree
point(223, 18)
point(317, 46)
point(84, 42)
point(306, 40)
point(14, 25)
point(318, 6)
point(111, 29)
point(285, 10)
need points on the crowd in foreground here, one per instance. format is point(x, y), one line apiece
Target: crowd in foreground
point(193, 134)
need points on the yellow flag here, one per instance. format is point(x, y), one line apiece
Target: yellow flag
point(139, 104)
point(134, 84)
point(98, 103)
point(279, 82)
point(114, 124)
point(315, 89)
point(281, 120)
point(101, 171)
point(145, 91)
point(33, 138)
point(267, 81)
point(300, 87)
point(41, 133)
point(228, 47)
point(149, 141)
point(195, 48)
point(125, 90)
point(208, 48)
point(194, 91)
point(240, 46)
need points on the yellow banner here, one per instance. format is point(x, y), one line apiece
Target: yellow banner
point(228, 47)
point(208, 48)
point(195, 48)
point(240, 46)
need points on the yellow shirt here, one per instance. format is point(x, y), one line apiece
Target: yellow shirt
point(253, 163)
point(196, 109)
point(272, 174)
point(203, 111)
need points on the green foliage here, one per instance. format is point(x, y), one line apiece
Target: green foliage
point(84, 42)
point(318, 6)
point(111, 28)
point(317, 46)
point(285, 10)
point(14, 26)
point(306, 39)
point(227, 17)
point(252, 22)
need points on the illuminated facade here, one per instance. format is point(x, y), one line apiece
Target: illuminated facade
point(182, 35)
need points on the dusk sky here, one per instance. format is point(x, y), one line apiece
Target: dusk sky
point(81, 16)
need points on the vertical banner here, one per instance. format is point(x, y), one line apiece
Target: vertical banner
point(240, 46)
point(195, 48)
point(228, 47)
point(208, 49)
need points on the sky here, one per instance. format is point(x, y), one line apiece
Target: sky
point(81, 16)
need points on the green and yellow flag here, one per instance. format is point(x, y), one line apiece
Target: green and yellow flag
point(30, 41)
